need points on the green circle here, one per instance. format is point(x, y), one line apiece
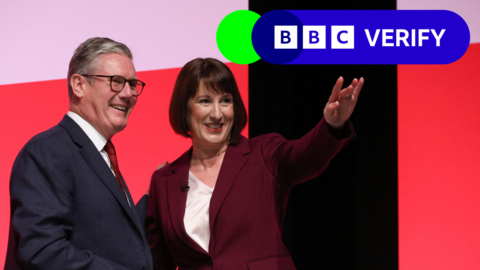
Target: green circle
point(234, 37)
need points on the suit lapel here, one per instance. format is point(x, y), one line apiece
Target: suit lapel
point(177, 198)
point(138, 220)
point(234, 159)
point(96, 162)
point(98, 165)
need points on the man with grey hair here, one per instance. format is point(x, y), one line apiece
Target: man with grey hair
point(70, 207)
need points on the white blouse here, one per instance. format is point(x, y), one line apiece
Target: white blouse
point(196, 218)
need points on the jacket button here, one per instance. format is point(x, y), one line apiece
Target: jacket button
point(209, 263)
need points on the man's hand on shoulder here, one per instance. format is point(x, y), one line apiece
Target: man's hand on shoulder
point(158, 168)
point(161, 165)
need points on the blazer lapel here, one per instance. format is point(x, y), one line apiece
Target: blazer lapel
point(177, 198)
point(235, 158)
point(96, 162)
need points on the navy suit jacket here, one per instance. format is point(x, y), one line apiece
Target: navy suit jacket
point(68, 210)
point(247, 205)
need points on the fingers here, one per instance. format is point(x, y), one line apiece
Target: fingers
point(348, 91)
point(336, 90)
point(330, 108)
point(358, 87)
point(161, 165)
point(353, 90)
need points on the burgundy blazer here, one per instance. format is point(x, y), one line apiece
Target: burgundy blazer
point(247, 206)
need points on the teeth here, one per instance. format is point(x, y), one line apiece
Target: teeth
point(214, 126)
point(121, 108)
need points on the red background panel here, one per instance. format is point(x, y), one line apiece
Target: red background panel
point(438, 164)
point(148, 140)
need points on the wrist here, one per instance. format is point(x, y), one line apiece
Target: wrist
point(336, 127)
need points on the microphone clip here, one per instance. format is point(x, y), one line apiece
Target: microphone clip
point(185, 187)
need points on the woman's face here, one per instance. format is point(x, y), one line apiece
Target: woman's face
point(211, 117)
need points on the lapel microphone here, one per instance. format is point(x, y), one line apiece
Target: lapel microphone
point(185, 187)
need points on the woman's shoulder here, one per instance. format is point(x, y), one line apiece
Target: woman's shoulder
point(262, 141)
point(163, 172)
point(170, 168)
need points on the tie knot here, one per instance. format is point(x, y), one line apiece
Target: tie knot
point(109, 148)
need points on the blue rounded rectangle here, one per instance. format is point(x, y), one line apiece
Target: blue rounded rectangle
point(374, 37)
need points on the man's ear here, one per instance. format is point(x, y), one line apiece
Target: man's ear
point(78, 84)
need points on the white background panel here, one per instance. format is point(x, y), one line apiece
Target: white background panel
point(38, 37)
point(469, 10)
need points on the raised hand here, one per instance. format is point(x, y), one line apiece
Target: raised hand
point(341, 103)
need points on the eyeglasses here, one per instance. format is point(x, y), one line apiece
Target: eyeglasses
point(117, 83)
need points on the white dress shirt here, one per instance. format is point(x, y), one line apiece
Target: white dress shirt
point(196, 218)
point(98, 140)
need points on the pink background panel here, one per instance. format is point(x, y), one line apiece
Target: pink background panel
point(439, 153)
point(38, 37)
point(146, 142)
point(438, 165)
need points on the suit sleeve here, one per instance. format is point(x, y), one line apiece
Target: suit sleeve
point(162, 259)
point(42, 213)
point(141, 208)
point(296, 161)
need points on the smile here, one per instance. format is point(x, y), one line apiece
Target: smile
point(118, 107)
point(214, 125)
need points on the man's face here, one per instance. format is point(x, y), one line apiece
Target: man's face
point(103, 108)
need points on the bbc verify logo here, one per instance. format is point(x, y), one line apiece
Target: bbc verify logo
point(343, 37)
point(351, 37)
point(360, 37)
point(314, 37)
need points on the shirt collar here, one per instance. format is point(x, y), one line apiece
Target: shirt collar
point(98, 140)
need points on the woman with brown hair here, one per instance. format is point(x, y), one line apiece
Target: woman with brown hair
point(221, 204)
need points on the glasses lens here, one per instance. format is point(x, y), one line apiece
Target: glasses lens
point(117, 83)
point(136, 86)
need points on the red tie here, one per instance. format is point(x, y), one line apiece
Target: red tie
point(110, 149)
